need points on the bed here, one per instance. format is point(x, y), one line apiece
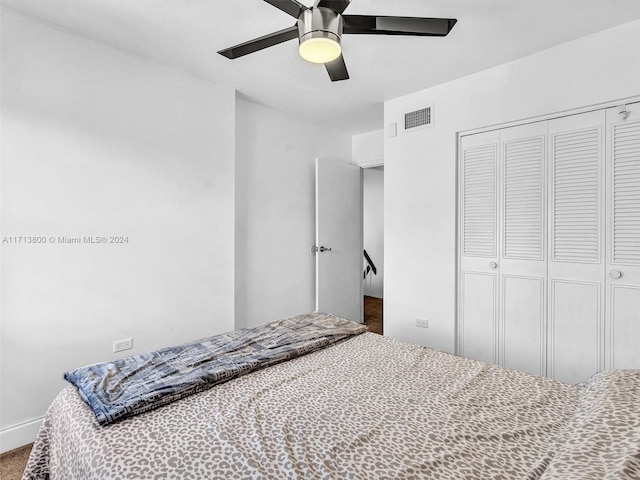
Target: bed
point(361, 407)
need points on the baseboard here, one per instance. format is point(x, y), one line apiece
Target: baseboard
point(19, 435)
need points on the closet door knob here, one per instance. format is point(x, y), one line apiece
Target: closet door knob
point(493, 265)
point(615, 274)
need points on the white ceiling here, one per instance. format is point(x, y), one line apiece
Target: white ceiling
point(188, 33)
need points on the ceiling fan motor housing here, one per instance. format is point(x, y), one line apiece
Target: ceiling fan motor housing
point(320, 22)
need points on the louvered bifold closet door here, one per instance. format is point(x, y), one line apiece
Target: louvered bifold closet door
point(623, 237)
point(478, 189)
point(523, 265)
point(576, 246)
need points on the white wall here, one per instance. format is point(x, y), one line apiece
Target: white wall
point(367, 149)
point(373, 220)
point(275, 210)
point(420, 167)
point(98, 142)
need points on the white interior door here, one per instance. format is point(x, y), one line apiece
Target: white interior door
point(339, 239)
point(576, 244)
point(479, 237)
point(623, 237)
point(523, 259)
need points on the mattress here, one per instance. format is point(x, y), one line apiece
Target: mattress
point(369, 407)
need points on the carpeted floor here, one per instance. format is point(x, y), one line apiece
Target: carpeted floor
point(12, 463)
point(373, 314)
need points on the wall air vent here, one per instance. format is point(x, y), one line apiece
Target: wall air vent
point(418, 119)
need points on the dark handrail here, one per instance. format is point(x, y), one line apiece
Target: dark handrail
point(370, 262)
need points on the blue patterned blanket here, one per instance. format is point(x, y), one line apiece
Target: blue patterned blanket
point(136, 384)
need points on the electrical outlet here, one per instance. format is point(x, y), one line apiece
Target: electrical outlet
point(422, 323)
point(120, 345)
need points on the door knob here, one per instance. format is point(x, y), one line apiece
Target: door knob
point(322, 248)
point(615, 274)
point(493, 265)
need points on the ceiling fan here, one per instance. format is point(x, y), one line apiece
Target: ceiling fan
point(319, 30)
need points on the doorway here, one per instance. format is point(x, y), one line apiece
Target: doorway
point(373, 239)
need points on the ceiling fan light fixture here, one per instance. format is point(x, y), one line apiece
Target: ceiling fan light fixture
point(320, 49)
point(319, 31)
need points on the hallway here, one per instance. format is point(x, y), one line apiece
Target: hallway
point(373, 314)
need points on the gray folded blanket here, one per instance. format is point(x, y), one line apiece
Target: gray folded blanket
point(129, 386)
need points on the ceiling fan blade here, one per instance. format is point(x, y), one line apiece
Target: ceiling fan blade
point(380, 25)
point(337, 69)
point(337, 6)
point(291, 7)
point(260, 43)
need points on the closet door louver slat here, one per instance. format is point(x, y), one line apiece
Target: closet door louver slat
point(576, 187)
point(479, 201)
point(626, 194)
point(523, 199)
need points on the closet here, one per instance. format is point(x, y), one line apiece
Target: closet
point(549, 244)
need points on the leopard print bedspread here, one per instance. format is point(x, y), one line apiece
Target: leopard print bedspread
point(370, 407)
